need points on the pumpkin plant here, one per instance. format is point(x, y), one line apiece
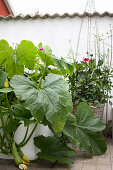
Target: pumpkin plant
point(42, 96)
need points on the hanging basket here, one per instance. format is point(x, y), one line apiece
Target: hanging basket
point(98, 111)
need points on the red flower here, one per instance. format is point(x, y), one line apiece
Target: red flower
point(86, 59)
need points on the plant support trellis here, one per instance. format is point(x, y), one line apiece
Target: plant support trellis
point(93, 41)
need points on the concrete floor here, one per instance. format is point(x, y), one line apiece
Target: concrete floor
point(82, 162)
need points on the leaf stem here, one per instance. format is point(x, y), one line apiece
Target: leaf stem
point(3, 125)
point(4, 151)
point(28, 137)
point(24, 136)
point(7, 102)
point(42, 77)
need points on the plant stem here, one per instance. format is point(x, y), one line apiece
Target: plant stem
point(7, 102)
point(4, 151)
point(42, 77)
point(28, 137)
point(4, 129)
point(24, 136)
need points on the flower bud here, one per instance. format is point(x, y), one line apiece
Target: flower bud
point(6, 84)
point(40, 48)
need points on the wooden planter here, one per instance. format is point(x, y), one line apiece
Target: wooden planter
point(98, 111)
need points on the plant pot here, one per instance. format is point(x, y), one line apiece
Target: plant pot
point(29, 149)
point(98, 111)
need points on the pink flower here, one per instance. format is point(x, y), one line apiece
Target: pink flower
point(40, 48)
point(86, 59)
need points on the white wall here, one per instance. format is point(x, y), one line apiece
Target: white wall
point(55, 33)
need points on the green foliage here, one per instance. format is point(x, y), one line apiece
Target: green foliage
point(6, 90)
point(64, 66)
point(26, 54)
point(3, 77)
point(52, 100)
point(12, 125)
point(90, 83)
point(85, 129)
point(21, 113)
point(43, 97)
point(5, 51)
point(15, 60)
point(53, 150)
point(46, 55)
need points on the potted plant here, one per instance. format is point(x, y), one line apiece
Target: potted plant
point(91, 83)
point(42, 98)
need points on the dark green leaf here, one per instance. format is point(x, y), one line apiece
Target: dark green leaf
point(100, 62)
point(64, 66)
point(21, 113)
point(86, 130)
point(60, 65)
point(13, 125)
point(3, 77)
point(53, 150)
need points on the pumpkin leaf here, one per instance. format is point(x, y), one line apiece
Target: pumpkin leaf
point(53, 150)
point(14, 68)
point(5, 51)
point(52, 100)
point(86, 129)
point(26, 54)
point(13, 124)
point(21, 113)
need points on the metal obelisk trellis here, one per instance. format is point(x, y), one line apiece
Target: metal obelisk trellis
point(90, 9)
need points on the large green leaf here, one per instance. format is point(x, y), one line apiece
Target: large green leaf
point(52, 100)
point(53, 150)
point(86, 130)
point(14, 67)
point(3, 76)
point(5, 51)
point(26, 53)
point(21, 113)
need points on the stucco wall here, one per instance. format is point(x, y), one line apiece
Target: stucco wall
point(56, 33)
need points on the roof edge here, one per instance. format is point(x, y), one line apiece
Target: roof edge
point(65, 15)
point(9, 7)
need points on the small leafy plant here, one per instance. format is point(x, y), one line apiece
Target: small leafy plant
point(90, 82)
